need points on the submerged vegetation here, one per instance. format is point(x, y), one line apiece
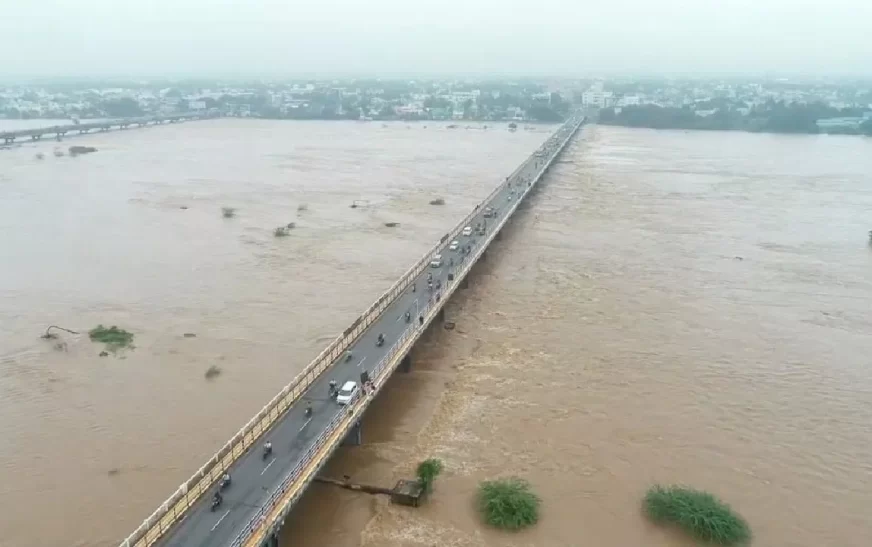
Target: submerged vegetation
point(113, 337)
point(228, 212)
point(509, 503)
point(427, 472)
point(698, 513)
point(281, 231)
point(437, 201)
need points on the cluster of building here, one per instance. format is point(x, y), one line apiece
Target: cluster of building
point(353, 99)
point(707, 97)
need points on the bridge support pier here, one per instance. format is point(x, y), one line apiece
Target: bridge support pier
point(355, 436)
point(406, 364)
point(464, 284)
point(441, 316)
point(498, 236)
point(271, 540)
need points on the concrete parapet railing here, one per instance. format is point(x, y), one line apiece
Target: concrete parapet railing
point(166, 515)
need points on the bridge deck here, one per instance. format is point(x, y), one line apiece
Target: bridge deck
point(87, 126)
point(254, 478)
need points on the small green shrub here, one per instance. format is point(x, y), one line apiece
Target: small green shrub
point(509, 503)
point(698, 513)
point(427, 472)
point(113, 337)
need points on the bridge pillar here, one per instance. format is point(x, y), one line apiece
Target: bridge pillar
point(354, 437)
point(406, 364)
point(441, 315)
point(498, 236)
point(464, 283)
point(271, 540)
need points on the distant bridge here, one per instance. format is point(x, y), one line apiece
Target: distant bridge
point(265, 486)
point(59, 131)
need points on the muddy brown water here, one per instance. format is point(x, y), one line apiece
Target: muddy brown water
point(672, 307)
point(133, 236)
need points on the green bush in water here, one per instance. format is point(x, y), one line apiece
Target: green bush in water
point(509, 503)
point(698, 513)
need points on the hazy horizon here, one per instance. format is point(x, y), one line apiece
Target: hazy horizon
point(388, 38)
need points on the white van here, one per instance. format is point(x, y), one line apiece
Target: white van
point(467, 231)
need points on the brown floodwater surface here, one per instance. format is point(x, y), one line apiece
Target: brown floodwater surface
point(133, 236)
point(671, 307)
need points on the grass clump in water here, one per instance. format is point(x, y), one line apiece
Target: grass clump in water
point(427, 472)
point(113, 337)
point(509, 503)
point(281, 231)
point(228, 212)
point(698, 513)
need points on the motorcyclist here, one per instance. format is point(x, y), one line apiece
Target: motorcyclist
point(217, 498)
point(225, 479)
point(332, 385)
point(267, 447)
point(408, 317)
point(381, 339)
point(308, 408)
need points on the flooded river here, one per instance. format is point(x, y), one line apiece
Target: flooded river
point(133, 236)
point(672, 307)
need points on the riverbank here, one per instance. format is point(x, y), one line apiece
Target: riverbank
point(808, 119)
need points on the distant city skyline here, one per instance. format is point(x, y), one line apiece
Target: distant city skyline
point(341, 38)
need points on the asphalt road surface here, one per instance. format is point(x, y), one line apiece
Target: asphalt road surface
point(254, 476)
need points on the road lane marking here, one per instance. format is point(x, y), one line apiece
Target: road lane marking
point(269, 464)
point(219, 520)
point(361, 361)
point(302, 428)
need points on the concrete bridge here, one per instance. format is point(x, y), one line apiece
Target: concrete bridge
point(59, 131)
point(264, 486)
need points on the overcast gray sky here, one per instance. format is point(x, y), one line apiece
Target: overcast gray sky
point(393, 37)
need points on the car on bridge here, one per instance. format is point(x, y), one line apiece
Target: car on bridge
point(436, 262)
point(454, 245)
point(347, 392)
point(467, 231)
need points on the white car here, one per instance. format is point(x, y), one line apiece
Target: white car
point(467, 231)
point(348, 391)
point(454, 245)
point(436, 262)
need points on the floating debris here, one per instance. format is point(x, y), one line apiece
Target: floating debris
point(78, 150)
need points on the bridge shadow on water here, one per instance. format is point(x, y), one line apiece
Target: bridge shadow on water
point(327, 515)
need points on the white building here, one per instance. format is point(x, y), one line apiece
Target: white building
point(629, 100)
point(598, 99)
